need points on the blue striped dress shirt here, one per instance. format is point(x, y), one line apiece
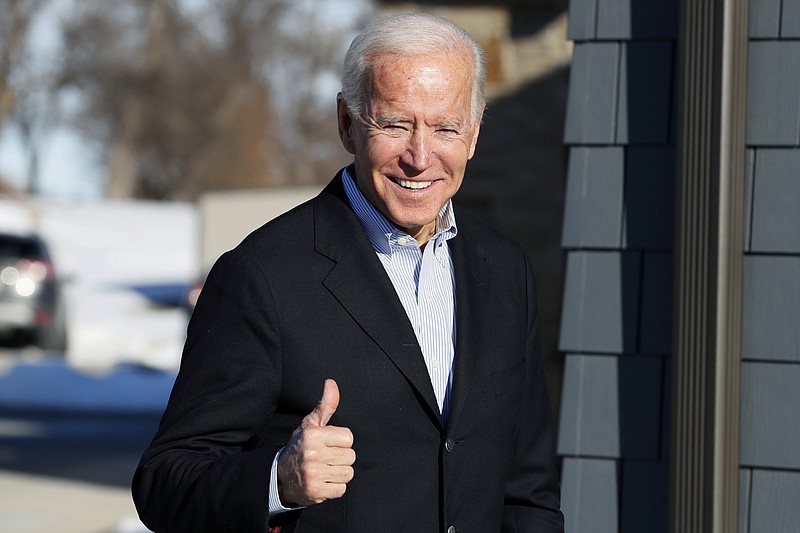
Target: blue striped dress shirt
point(424, 281)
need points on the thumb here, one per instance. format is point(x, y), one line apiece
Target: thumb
point(327, 405)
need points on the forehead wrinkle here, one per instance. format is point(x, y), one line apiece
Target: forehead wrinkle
point(385, 119)
point(394, 78)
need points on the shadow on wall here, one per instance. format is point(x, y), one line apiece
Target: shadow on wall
point(516, 183)
point(649, 131)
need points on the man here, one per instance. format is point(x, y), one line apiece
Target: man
point(370, 360)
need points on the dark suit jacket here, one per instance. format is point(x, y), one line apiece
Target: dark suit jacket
point(305, 298)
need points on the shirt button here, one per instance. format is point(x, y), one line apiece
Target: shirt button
point(449, 444)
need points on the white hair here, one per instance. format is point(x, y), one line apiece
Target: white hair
point(409, 34)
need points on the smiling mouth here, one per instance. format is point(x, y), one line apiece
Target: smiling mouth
point(412, 185)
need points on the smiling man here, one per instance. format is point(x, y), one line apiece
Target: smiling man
point(412, 139)
point(370, 360)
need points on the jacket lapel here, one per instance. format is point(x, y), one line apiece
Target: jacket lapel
point(472, 269)
point(360, 284)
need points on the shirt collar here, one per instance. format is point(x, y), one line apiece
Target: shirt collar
point(379, 230)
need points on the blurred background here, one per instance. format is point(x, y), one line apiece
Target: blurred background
point(140, 139)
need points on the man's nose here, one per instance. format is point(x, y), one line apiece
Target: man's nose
point(417, 154)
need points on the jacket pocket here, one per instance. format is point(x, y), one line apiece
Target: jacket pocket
point(509, 380)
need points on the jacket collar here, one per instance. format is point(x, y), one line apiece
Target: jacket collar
point(376, 307)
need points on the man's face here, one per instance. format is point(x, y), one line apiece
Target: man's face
point(412, 145)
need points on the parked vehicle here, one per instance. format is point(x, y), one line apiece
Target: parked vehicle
point(31, 305)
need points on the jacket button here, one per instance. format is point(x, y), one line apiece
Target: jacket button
point(451, 529)
point(449, 444)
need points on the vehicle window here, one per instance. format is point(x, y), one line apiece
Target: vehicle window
point(17, 248)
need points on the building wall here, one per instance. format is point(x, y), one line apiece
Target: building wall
point(618, 225)
point(770, 424)
point(227, 217)
point(618, 234)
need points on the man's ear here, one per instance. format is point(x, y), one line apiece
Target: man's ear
point(474, 142)
point(345, 122)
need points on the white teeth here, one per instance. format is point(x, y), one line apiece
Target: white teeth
point(408, 184)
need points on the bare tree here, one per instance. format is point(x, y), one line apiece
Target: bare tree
point(182, 95)
point(14, 26)
point(20, 83)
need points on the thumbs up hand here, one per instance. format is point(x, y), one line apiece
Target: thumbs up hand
point(317, 462)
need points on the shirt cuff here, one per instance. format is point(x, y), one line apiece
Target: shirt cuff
point(275, 504)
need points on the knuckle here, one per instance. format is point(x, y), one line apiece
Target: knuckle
point(342, 473)
point(314, 491)
point(307, 423)
point(308, 475)
point(339, 490)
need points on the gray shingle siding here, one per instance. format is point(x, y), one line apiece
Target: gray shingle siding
point(593, 93)
point(749, 170)
point(582, 20)
point(601, 302)
point(611, 407)
point(745, 475)
point(770, 377)
point(770, 420)
point(618, 232)
point(589, 495)
point(773, 93)
point(765, 19)
point(774, 502)
point(790, 19)
point(628, 19)
point(771, 308)
point(593, 209)
point(776, 201)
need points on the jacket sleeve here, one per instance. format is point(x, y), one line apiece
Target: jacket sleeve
point(532, 500)
point(208, 466)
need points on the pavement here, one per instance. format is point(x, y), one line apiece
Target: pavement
point(32, 504)
point(70, 440)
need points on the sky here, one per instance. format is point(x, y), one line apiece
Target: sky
point(69, 170)
point(69, 165)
